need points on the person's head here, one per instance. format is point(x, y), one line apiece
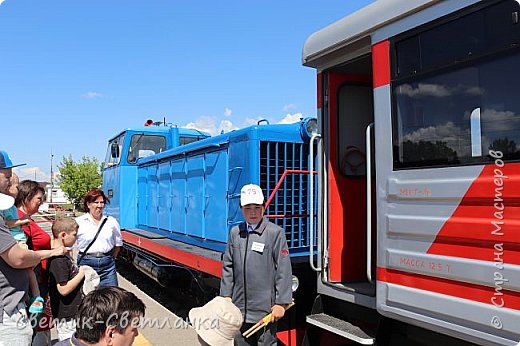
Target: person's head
point(5, 180)
point(94, 202)
point(6, 166)
point(30, 196)
point(66, 230)
point(252, 203)
point(109, 316)
point(217, 322)
point(15, 181)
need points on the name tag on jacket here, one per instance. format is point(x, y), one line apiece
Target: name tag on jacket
point(258, 247)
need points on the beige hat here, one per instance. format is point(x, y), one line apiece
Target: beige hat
point(91, 281)
point(6, 201)
point(217, 322)
point(251, 194)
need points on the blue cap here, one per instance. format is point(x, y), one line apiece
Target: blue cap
point(5, 161)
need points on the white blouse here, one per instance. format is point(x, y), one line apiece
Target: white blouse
point(109, 236)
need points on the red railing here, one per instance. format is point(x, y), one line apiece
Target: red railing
point(277, 187)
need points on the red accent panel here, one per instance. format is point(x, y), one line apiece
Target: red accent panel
point(491, 204)
point(291, 337)
point(464, 290)
point(381, 63)
point(200, 263)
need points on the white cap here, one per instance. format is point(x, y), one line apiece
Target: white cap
point(6, 201)
point(251, 194)
point(217, 322)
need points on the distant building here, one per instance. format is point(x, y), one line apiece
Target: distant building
point(55, 195)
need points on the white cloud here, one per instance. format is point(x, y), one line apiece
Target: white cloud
point(228, 112)
point(288, 107)
point(214, 126)
point(252, 121)
point(1, 2)
point(92, 95)
point(500, 120)
point(291, 118)
point(226, 126)
point(209, 124)
point(455, 138)
point(32, 173)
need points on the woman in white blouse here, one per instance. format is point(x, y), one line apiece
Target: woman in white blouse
point(99, 252)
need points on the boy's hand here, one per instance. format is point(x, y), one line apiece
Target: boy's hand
point(24, 221)
point(81, 271)
point(277, 312)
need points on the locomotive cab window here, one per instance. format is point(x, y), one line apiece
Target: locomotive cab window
point(113, 155)
point(451, 107)
point(142, 145)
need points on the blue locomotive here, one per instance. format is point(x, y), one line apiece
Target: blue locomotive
point(175, 192)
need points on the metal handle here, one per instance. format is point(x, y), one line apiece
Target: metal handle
point(311, 218)
point(369, 201)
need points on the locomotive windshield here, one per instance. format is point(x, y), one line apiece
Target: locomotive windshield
point(142, 145)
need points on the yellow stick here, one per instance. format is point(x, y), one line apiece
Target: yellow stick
point(262, 323)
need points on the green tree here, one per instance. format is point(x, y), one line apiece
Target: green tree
point(77, 178)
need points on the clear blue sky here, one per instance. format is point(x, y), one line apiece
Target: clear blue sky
point(74, 73)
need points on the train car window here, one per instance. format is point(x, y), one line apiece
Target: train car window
point(142, 145)
point(463, 38)
point(435, 117)
point(113, 155)
point(452, 108)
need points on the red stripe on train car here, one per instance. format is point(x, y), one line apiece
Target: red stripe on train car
point(204, 264)
point(381, 63)
point(485, 224)
point(464, 290)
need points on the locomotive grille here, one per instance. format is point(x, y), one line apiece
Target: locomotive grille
point(290, 206)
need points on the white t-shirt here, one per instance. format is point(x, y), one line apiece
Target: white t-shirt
point(109, 236)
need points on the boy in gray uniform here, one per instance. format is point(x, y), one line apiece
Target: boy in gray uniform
point(256, 270)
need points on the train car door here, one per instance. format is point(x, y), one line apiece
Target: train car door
point(350, 110)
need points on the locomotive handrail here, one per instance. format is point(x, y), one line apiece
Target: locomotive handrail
point(280, 182)
point(311, 218)
point(369, 201)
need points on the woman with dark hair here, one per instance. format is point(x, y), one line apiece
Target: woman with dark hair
point(99, 238)
point(28, 200)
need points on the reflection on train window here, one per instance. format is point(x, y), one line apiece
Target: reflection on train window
point(452, 105)
point(456, 116)
point(143, 145)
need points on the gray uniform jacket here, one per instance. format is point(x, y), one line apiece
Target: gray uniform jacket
point(256, 270)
